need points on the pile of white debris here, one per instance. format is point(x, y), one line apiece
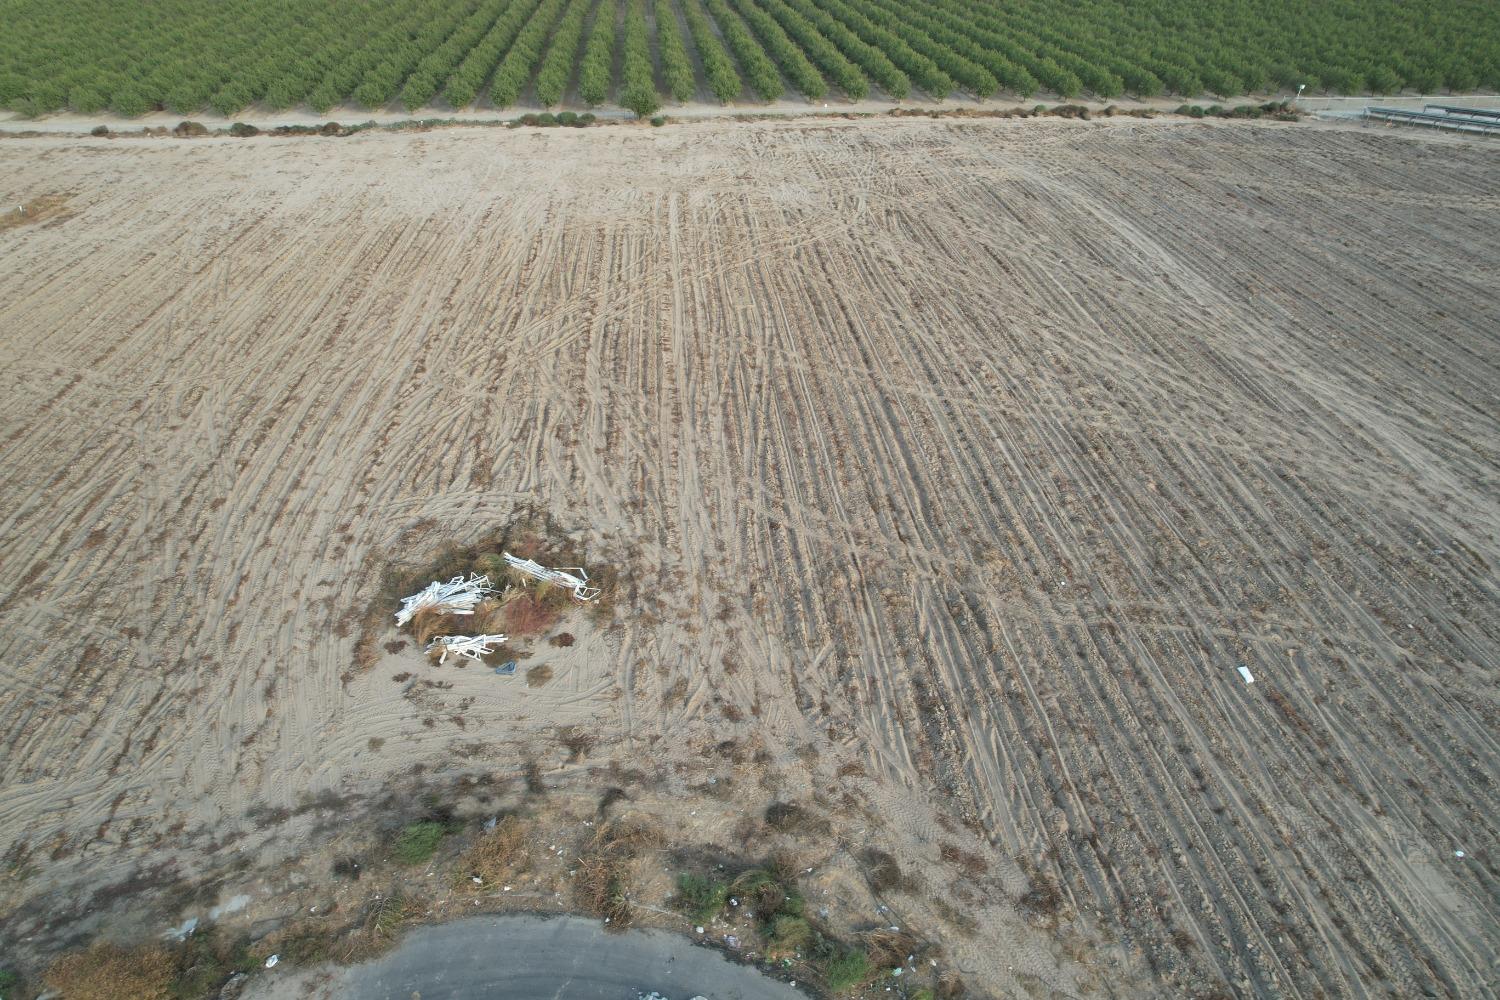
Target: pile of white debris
point(460, 596)
point(456, 597)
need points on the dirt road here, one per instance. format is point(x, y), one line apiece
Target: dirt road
point(960, 464)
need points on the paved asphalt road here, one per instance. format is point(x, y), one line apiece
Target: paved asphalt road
point(537, 958)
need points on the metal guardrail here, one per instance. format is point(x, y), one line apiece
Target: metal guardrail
point(1487, 114)
point(1454, 123)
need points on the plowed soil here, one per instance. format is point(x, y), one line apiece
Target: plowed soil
point(970, 459)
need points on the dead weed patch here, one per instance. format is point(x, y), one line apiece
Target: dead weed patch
point(577, 742)
point(972, 864)
point(527, 606)
point(528, 614)
point(46, 207)
point(605, 870)
point(798, 820)
point(106, 971)
point(500, 854)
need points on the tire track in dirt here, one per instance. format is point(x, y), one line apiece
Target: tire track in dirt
point(979, 453)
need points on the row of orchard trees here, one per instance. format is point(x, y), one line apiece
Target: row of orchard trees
point(188, 55)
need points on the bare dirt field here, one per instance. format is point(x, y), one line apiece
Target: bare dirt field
point(956, 467)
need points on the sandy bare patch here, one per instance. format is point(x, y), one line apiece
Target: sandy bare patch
point(958, 466)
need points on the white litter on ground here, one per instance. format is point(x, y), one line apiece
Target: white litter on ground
point(577, 581)
point(181, 932)
point(456, 597)
point(1245, 673)
point(235, 905)
point(475, 647)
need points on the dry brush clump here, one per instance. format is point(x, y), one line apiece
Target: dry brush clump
point(1044, 898)
point(890, 949)
point(106, 971)
point(796, 820)
point(195, 967)
point(972, 864)
point(374, 929)
point(524, 608)
point(576, 741)
point(499, 854)
point(604, 873)
point(304, 943)
point(531, 613)
point(37, 210)
point(884, 873)
point(430, 623)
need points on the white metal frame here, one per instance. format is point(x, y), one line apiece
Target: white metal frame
point(576, 581)
point(456, 597)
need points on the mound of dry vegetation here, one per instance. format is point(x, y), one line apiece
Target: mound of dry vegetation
point(524, 608)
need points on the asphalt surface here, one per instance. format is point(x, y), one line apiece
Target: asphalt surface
point(531, 958)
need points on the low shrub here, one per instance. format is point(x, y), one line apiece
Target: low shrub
point(419, 842)
point(758, 889)
point(1071, 111)
point(787, 935)
point(701, 898)
point(843, 969)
